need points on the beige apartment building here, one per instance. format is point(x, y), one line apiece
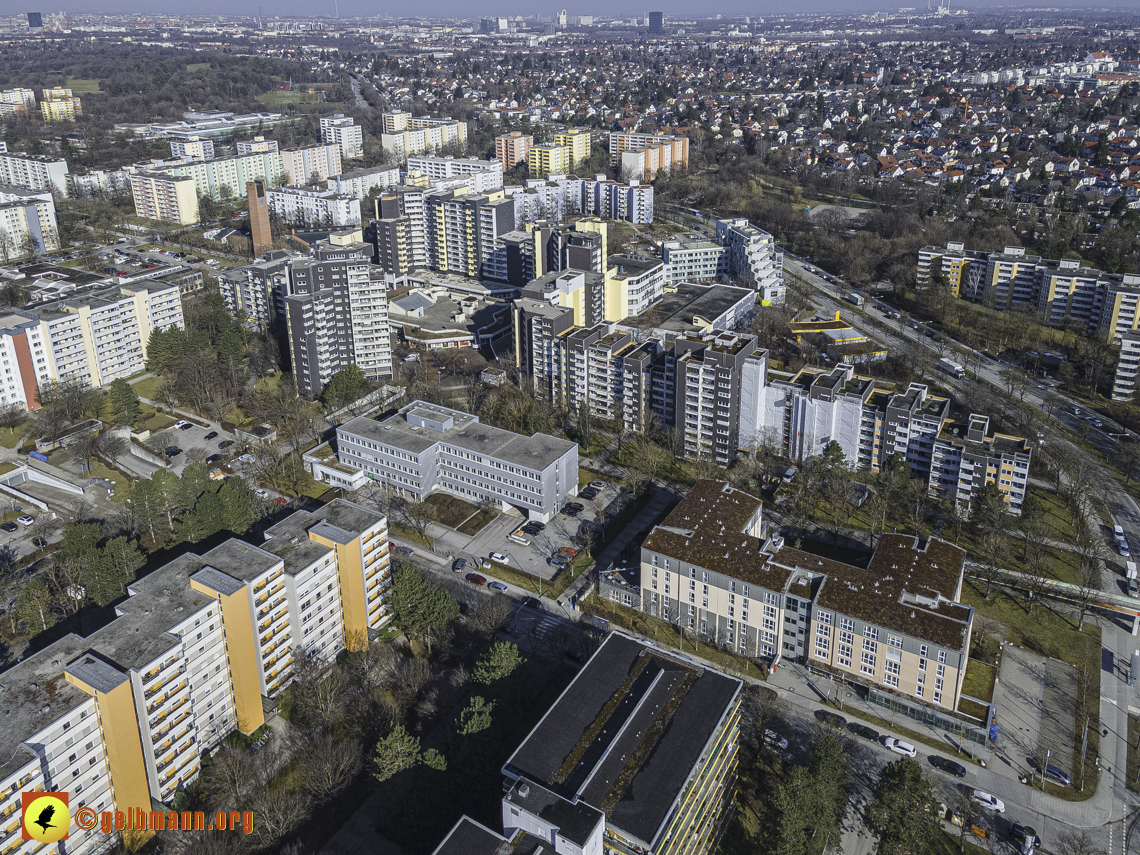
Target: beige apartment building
point(511, 149)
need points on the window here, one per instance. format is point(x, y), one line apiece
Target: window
point(847, 624)
point(923, 650)
point(921, 666)
point(941, 655)
point(894, 641)
point(870, 646)
point(868, 663)
point(843, 656)
point(937, 697)
point(791, 603)
point(823, 617)
point(941, 671)
point(771, 599)
point(870, 632)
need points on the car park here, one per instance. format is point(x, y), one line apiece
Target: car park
point(988, 800)
point(211, 435)
point(497, 586)
point(948, 766)
point(458, 564)
point(500, 558)
point(475, 579)
point(899, 747)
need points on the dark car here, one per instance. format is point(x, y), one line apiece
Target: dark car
point(173, 451)
point(211, 435)
point(578, 506)
point(531, 603)
point(1055, 773)
point(226, 443)
point(864, 731)
point(948, 766)
point(475, 579)
point(1022, 833)
point(588, 493)
point(9, 526)
point(214, 458)
point(830, 718)
point(458, 564)
point(536, 524)
point(571, 512)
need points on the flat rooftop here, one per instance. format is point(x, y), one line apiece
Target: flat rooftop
point(590, 743)
point(531, 452)
point(678, 310)
point(340, 521)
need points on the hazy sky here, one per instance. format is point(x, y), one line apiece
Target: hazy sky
point(448, 8)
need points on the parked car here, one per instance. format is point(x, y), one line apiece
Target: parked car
point(774, 740)
point(541, 526)
point(497, 586)
point(214, 458)
point(568, 550)
point(1024, 833)
point(1058, 775)
point(598, 485)
point(211, 435)
point(899, 747)
point(173, 451)
point(531, 603)
point(500, 558)
point(558, 561)
point(226, 443)
point(864, 731)
point(280, 501)
point(948, 766)
point(589, 494)
point(475, 579)
point(578, 506)
point(9, 526)
point(181, 423)
point(405, 550)
point(261, 493)
point(571, 512)
point(990, 801)
point(185, 426)
point(458, 564)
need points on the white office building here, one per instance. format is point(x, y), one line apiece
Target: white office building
point(342, 131)
point(311, 165)
point(313, 207)
point(437, 169)
point(34, 172)
point(358, 183)
point(426, 448)
point(194, 149)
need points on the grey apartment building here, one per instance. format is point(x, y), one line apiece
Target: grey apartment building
point(426, 448)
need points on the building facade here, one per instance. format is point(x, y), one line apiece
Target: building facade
point(544, 160)
point(167, 198)
point(1124, 383)
point(345, 134)
point(28, 224)
point(512, 149)
point(34, 172)
point(121, 719)
point(59, 105)
point(313, 207)
point(358, 183)
point(310, 165)
point(405, 135)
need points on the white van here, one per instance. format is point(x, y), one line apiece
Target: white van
point(790, 475)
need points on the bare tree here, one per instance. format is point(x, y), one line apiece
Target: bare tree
point(279, 811)
point(328, 765)
point(232, 776)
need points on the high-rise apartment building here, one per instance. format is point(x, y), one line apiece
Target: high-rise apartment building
point(225, 177)
point(405, 135)
point(967, 456)
point(167, 198)
point(28, 223)
point(511, 149)
point(439, 169)
point(1127, 365)
point(313, 207)
point(740, 252)
point(464, 231)
point(312, 165)
point(641, 155)
point(59, 105)
point(122, 718)
point(1062, 293)
point(342, 131)
point(19, 95)
point(259, 289)
point(257, 145)
point(358, 183)
point(34, 172)
point(259, 228)
point(656, 23)
point(578, 141)
point(193, 148)
point(543, 160)
point(336, 315)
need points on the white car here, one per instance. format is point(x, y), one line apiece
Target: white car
point(261, 493)
point(24, 519)
point(775, 740)
point(992, 802)
point(181, 423)
point(899, 747)
point(500, 558)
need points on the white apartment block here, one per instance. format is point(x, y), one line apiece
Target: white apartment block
point(27, 222)
point(194, 149)
point(693, 261)
point(631, 202)
point(27, 97)
point(436, 169)
point(753, 258)
point(163, 197)
point(426, 448)
point(410, 136)
point(311, 165)
point(313, 207)
point(640, 281)
point(358, 183)
point(343, 132)
point(101, 336)
point(99, 181)
point(966, 457)
point(225, 177)
point(255, 145)
point(1124, 384)
point(34, 172)
point(122, 718)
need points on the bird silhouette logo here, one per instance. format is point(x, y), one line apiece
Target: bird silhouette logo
point(47, 817)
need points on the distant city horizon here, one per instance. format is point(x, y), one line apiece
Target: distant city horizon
point(671, 8)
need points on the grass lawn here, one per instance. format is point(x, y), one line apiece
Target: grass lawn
point(146, 388)
point(1058, 517)
point(7, 466)
point(451, 511)
point(944, 844)
point(122, 483)
point(11, 438)
point(1134, 753)
point(475, 524)
point(979, 681)
point(280, 98)
point(83, 85)
point(408, 534)
point(197, 66)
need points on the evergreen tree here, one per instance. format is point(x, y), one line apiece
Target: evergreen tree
point(498, 662)
point(124, 402)
point(903, 813)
